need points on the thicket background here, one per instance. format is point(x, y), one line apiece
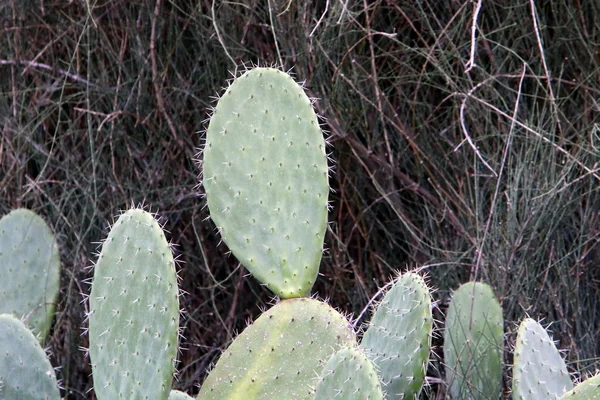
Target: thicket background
point(471, 159)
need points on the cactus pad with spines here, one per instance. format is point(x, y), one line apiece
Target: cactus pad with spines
point(586, 390)
point(349, 375)
point(281, 354)
point(473, 343)
point(177, 395)
point(539, 372)
point(266, 179)
point(30, 270)
point(134, 311)
point(398, 338)
point(25, 372)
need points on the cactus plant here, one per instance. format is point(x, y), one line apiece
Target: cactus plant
point(25, 372)
point(586, 390)
point(473, 343)
point(134, 311)
point(398, 338)
point(266, 179)
point(349, 375)
point(539, 371)
point(280, 354)
point(177, 395)
point(30, 270)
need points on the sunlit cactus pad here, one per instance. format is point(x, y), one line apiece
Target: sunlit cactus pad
point(30, 270)
point(281, 354)
point(25, 372)
point(177, 395)
point(539, 372)
point(586, 390)
point(349, 375)
point(134, 312)
point(398, 338)
point(473, 343)
point(266, 179)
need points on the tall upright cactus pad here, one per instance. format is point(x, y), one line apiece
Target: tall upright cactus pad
point(473, 343)
point(349, 375)
point(398, 338)
point(539, 372)
point(30, 270)
point(281, 354)
point(586, 390)
point(266, 179)
point(25, 372)
point(134, 312)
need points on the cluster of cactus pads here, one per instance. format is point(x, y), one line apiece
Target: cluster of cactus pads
point(266, 180)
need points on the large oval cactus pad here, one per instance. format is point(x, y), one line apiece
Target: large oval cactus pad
point(266, 179)
point(134, 312)
point(586, 390)
point(30, 270)
point(281, 354)
point(25, 372)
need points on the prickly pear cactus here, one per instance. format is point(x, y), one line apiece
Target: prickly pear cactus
point(134, 312)
point(280, 354)
point(473, 343)
point(177, 395)
point(266, 179)
point(398, 338)
point(25, 372)
point(349, 375)
point(539, 372)
point(586, 390)
point(30, 270)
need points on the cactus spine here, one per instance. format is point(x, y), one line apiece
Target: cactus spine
point(134, 312)
point(539, 371)
point(266, 179)
point(473, 343)
point(30, 270)
point(25, 372)
point(398, 338)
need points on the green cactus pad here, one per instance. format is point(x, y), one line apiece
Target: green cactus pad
point(25, 372)
point(539, 372)
point(266, 179)
point(134, 312)
point(281, 354)
point(30, 270)
point(349, 375)
point(398, 338)
point(473, 343)
point(177, 395)
point(586, 390)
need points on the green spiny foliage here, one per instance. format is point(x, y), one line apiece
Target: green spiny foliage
point(586, 390)
point(539, 372)
point(398, 338)
point(266, 179)
point(177, 395)
point(473, 343)
point(349, 375)
point(134, 311)
point(25, 372)
point(30, 270)
point(280, 354)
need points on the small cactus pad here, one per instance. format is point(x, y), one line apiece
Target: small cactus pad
point(266, 179)
point(134, 312)
point(177, 395)
point(30, 270)
point(281, 354)
point(586, 390)
point(539, 372)
point(398, 338)
point(349, 375)
point(473, 343)
point(25, 372)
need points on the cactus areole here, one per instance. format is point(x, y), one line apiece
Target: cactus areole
point(266, 179)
